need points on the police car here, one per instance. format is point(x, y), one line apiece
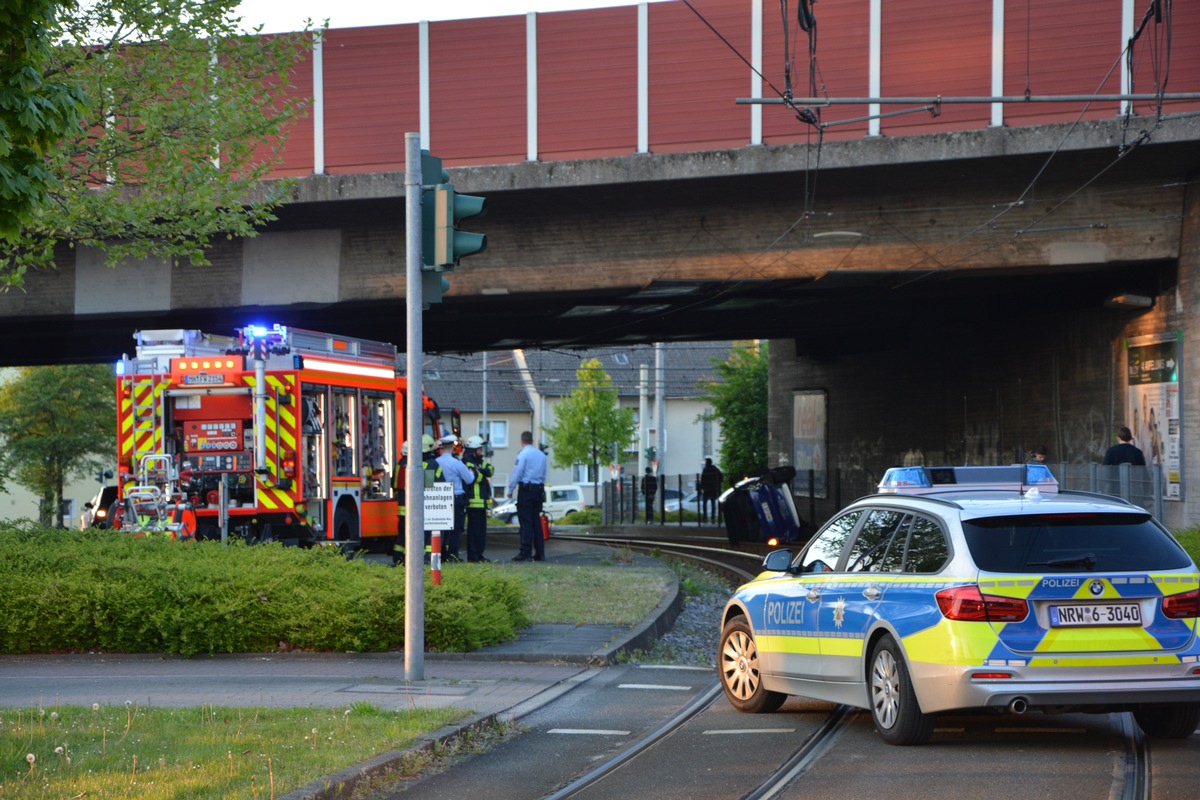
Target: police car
point(963, 588)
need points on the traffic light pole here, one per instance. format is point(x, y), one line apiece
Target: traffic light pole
point(414, 476)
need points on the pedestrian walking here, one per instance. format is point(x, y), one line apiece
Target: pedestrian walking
point(649, 490)
point(479, 498)
point(528, 483)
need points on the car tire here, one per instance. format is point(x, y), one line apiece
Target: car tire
point(737, 664)
point(1168, 722)
point(894, 707)
point(510, 519)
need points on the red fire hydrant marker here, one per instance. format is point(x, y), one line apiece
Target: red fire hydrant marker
point(435, 558)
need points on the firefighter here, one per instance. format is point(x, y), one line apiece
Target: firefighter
point(479, 498)
point(433, 472)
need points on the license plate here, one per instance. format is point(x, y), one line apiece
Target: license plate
point(1095, 614)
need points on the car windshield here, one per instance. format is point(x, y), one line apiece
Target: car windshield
point(1038, 543)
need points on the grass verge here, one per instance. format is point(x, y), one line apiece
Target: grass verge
point(205, 753)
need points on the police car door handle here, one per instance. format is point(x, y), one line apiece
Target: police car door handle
point(813, 595)
point(872, 593)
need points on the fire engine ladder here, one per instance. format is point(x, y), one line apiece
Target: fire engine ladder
point(147, 424)
point(152, 501)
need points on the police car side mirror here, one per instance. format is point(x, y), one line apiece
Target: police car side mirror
point(778, 561)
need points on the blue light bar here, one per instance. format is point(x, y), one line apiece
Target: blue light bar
point(900, 478)
point(919, 480)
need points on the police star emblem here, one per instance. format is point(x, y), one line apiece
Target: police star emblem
point(839, 612)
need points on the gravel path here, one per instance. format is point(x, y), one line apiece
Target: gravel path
point(692, 641)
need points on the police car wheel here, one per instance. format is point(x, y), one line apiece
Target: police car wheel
point(737, 661)
point(894, 706)
point(1168, 722)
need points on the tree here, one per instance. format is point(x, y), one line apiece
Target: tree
point(172, 118)
point(57, 423)
point(739, 403)
point(36, 110)
point(588, 420)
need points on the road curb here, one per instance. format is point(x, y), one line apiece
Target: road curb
point(343, 783)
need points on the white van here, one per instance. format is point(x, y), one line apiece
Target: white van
point(560, 501)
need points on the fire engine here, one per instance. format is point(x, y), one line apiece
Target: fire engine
point(275, 434)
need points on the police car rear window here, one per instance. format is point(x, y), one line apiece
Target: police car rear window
point(1040, 543)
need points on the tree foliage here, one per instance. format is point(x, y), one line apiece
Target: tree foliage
point(57, 423)
point(739, 403)
point(172, 117)
point(37, 108)
point(589, 420)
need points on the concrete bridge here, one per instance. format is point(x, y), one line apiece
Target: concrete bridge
point(631, 198)
point(945, 229)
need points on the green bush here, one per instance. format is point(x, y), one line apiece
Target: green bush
point(588, 516)
point(73, 591)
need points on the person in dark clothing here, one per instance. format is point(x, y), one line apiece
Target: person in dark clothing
point(1124, 451)
point(649, 490)
point(710, 489)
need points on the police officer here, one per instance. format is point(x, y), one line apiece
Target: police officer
point(529, 477)
point(479, 498)
point(457, 473)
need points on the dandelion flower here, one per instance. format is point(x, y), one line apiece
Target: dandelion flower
point(58, 750)
point(95, 706)
point(30, 757)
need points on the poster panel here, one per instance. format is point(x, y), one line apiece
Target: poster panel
point(1154, 409)
point(808, 441)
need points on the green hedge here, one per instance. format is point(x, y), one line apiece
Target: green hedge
point(80, 591)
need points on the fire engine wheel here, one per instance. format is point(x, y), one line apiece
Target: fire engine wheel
point(345, 524)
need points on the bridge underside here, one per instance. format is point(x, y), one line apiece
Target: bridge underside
point(837, 258)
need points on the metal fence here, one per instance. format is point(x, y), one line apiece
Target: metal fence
point(622, 501)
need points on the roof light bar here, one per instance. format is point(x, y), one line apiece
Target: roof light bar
point(919, 480)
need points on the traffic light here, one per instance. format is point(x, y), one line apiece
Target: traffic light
point(433, 285)
point(449, 209)
point(442, 243)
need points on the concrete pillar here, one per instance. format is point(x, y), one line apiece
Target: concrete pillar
point(1187, 301)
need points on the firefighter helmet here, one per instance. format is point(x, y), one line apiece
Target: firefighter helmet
point(474, 442)
point(427, 443)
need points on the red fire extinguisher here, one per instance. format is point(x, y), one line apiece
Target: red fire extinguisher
point(545, 526)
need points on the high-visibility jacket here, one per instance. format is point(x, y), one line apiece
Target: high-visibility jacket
point(433, 473)
point(479, 493)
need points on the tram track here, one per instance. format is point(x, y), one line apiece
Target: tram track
point(735, 565)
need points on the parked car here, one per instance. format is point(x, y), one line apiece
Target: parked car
point(689, 502)
point(962, 588)
point(560, 501)
point(95, 511)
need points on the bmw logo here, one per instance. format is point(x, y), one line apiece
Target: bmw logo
point(1096, 588)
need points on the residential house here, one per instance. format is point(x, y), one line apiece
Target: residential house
point(518, 390)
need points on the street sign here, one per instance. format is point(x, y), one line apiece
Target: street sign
point(439, 507)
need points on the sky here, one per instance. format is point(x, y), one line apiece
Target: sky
point(279, 16)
